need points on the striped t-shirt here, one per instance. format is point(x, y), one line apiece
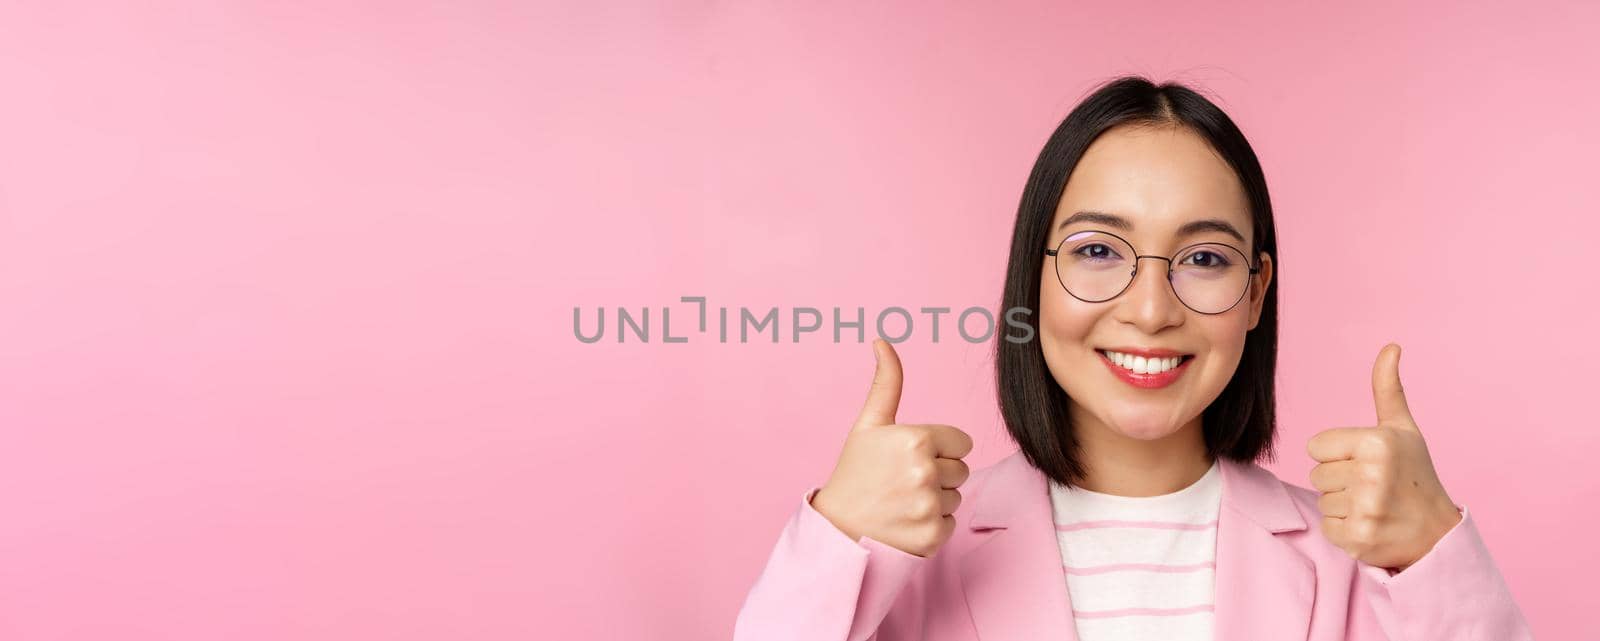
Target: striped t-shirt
point(1140, 567)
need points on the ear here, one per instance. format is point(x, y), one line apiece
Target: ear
point(1258, 289)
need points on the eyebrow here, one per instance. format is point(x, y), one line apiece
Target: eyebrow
point(1188, 229)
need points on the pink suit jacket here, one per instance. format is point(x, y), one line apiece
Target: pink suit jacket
point(1000, 577)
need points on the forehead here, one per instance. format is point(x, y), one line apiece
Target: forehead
point(1157, 178)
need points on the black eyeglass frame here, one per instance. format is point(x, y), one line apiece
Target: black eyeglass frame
point(1053, 253)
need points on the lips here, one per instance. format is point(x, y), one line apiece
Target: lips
point(1147, 381)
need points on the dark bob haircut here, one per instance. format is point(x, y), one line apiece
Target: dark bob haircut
point(1239, 424)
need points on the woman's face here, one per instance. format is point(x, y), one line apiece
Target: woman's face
point(1155, 180)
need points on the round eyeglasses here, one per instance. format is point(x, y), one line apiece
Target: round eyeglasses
point(1097, 266)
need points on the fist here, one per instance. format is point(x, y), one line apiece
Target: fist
point(895, 483)
point(1381, 500)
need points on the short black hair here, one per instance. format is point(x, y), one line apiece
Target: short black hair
point(1240, 424)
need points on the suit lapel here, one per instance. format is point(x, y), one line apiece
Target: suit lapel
point(1264, 587)
point(1013, 580)
point(1016, 587)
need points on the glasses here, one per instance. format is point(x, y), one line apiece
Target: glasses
point(1097, 266)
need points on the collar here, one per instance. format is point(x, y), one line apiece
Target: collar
point(1014, 485)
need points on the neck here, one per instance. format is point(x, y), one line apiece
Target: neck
point(1124, 466)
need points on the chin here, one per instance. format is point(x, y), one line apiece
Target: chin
point(1143, 426)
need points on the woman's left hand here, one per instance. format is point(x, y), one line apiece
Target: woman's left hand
point(1381, 500)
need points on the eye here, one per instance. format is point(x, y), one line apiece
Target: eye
point(1208, 259)
point(1107, 254)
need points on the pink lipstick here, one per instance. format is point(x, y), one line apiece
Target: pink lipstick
point(1146, 381)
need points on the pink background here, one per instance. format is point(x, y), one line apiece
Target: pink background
point(287, 345)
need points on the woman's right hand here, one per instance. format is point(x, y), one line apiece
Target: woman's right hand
point(895, 483)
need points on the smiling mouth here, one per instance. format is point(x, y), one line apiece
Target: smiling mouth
point(1144, 365)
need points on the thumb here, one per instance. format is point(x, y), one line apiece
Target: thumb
point(1387, 395)
point(883, 399)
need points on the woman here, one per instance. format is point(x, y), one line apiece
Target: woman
point(1141, 397)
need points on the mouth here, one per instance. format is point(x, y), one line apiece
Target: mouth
point(1152, 369)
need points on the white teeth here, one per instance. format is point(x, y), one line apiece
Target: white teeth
point(1142, 365)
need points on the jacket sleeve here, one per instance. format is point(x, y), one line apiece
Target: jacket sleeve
point(1453, 592)
point(819, 584)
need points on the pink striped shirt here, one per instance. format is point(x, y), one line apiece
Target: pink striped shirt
point(1140, 567)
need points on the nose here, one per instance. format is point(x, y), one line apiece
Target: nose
point(1150, 302)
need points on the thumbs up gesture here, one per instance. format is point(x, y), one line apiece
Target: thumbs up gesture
point(893, 482)
point(1381, 500)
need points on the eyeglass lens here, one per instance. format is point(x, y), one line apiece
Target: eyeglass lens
point(1210, 278)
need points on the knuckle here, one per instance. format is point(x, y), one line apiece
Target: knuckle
point(1389, 439)
point(1371, 505)
point(922, 473)
point(1375, 443)
point(1370, 474)
point(1362, 533)
point(917, 439)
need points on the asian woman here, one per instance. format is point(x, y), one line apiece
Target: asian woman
point(1141, 400)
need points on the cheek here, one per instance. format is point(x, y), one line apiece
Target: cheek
point(1229, 331)
point(1064, 324)
point(1225, 337)
point(1057, 321)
